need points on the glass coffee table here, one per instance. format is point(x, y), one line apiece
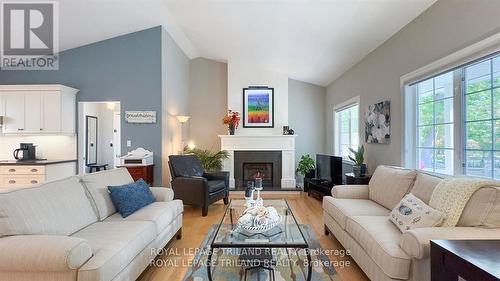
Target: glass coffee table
point(286, 234)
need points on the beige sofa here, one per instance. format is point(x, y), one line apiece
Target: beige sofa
point(69, 230)
point(357, 215)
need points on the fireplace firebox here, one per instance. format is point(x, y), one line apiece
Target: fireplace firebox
point(251, 164)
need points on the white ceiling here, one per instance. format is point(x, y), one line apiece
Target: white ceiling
point(309, 40)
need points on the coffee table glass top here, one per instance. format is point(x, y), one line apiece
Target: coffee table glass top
point(286, 234)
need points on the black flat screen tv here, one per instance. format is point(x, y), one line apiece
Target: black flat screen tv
point(329, 168)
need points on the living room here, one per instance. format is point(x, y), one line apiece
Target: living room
point(250, 140)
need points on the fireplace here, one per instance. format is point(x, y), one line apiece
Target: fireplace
point(251, 164)
point(251, 171)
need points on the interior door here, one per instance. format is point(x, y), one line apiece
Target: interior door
point(91, 140)
point(14, 112)
point(32, 112)
point(51, 112)
point(117, 146)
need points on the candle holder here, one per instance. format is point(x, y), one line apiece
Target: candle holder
point(249, 193)
point(258, 187)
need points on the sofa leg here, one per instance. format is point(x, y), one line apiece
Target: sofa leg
point(179, 234)
point(204, 211)
point(226, 200)
point(327, 231)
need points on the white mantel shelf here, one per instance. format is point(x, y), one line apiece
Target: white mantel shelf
point(283, 143)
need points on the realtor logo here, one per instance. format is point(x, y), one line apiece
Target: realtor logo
point(29, 36)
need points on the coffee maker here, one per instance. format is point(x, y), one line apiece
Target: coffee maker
point(28, 152)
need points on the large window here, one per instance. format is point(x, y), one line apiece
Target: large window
point(435, 124)
point(455, 121)
point(346, 129)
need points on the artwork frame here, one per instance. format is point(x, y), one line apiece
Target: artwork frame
point(258, 107)
point(378, 123)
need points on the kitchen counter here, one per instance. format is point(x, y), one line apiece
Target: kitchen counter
point(33, 162)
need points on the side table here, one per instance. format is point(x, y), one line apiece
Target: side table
point(351, 179)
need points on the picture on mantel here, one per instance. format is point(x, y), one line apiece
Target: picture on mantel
point(258, 107)
point(378, 123)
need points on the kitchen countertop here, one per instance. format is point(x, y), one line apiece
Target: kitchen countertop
point(33, 162)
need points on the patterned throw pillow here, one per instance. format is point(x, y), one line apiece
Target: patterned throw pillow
point(131, 197)
point(412, 212)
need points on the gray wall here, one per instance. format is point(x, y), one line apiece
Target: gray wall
point(125, 69)
point(447, 26)
point(306, 108)
point(175, 91)
point(207, 101)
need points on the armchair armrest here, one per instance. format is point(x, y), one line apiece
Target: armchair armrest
point(416, 242)
point(30, 253)
point(162, 194)
point(222, 175)
point(350, 191)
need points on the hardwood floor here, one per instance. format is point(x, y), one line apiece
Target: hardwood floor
point(174, 261)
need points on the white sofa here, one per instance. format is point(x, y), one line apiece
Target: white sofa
point(69, 230)
point(358, 217)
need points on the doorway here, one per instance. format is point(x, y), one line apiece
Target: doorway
point(99, 135)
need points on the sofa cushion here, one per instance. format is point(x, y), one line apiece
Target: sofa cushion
point(483, 209)
point(424, 186)
point(114, 245)
point(161, 213)
point(56, 208)
point(388, 185)
point(97, 185)
point(129, 198)
point(380, 240)
point(412, 212)
point(341, 209)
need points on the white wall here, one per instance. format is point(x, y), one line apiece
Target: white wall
point(175, 99)
point(47, 147)
point(207, 102)
point(242, 74)
point(306, 107)
point(447, 26)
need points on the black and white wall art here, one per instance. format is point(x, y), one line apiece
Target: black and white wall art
point(378, 123)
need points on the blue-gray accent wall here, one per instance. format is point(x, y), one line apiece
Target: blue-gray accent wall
point(127, 68)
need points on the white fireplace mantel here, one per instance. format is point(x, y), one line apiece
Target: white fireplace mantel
point(283, 143)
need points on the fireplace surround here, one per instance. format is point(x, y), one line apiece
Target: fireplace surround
point(267, 144)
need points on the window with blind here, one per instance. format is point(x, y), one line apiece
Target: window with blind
point(456, 121)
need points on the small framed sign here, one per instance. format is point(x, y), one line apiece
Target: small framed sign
point(140, 117)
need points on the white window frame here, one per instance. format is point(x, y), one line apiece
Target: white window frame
point(336, 130)
point(467, 55)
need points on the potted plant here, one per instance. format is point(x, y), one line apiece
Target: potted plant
point(306, 166)
point(358, 157)
point(211, 161)
point(232, 120)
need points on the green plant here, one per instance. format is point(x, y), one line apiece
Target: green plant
point(306, 165)
point(210, 160)
point(358, 156)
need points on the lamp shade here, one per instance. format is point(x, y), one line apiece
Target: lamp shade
point(182, 118)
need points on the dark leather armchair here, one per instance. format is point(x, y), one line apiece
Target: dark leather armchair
point(194, 186)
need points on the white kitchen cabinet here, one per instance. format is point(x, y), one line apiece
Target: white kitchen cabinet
point(51, 112)
point(32, 112)
point(38, 109)
point(22, 176)
point(14, 112)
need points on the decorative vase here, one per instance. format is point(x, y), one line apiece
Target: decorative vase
point(363, 169)
point(356, 170)
point(231, 129)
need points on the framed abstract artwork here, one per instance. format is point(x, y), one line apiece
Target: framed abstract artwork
point(378, 123)
point(258, 107)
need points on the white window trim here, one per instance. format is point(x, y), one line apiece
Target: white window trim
point(473, 52)
point(346, 104)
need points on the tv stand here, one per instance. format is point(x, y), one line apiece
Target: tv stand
point(318, 188)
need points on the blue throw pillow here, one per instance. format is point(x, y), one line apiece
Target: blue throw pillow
point(131, 197)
